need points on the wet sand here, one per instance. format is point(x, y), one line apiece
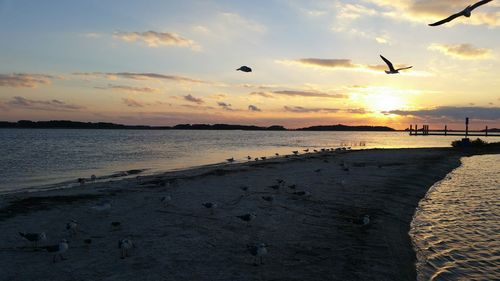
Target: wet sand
point(315, 237)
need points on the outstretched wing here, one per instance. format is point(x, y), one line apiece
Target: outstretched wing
point(403, 68)
point(480, 3)
point(389, 64)
point(448, 19)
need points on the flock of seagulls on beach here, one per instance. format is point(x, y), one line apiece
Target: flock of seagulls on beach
point(259, 250)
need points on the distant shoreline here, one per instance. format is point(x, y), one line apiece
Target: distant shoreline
point(64, 124)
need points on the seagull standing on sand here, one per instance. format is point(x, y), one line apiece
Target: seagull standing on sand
point(258, 252)
point(249, 157)
point(295, 152)
point(230, 160)
point(34, 238)
point(465, 12)
point(165, 200)
point(244, 69)
point(72, 227)
point(392, 70)
point(247, 218)
point(125, 245)
point(58, 249)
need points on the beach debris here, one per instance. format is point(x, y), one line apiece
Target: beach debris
point(116, 224)
point(268, 198)
point(211, 206)
point(315, 150)
point(230, 160)
point(306, 150)
point(345, 169)
point(256, 159)
point(244, 188)
point(392, 70)
point(275, 187)
point(81, 181)
point(244, 68)
point(277, 154)
point(292, 186)
point(125, 245)
point(302, 193)
point(87, 241)
point(165, 200)
point(280, 181)
point(93, 178)
point(326, 161)
point(295, 152)
point(58, 250)
point(317, 170)
point(247, 217)
point(34, 238)
point(72, 227)
point(263, 158)
point(257, 251)
point(465, 12)
point(104, 205)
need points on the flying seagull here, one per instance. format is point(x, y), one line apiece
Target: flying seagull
point(258, 252)
point(465, 12)
point(391, 68)
point(244, 69)
point(58, 249)
point(34, 237)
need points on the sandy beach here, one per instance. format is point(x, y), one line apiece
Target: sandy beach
point(313, 237)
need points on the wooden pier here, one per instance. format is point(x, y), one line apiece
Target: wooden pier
point(426, 131)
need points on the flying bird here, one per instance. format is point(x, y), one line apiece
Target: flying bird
point(465, 12)
point(392, 70)
point(244, 69)
point(58, 249)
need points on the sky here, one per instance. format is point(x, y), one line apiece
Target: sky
point(314, 62)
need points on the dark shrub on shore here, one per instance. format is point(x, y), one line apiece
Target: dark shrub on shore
point(468, 143)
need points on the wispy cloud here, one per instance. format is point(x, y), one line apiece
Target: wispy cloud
point(123, 88)
point(309, 94)
point(453, 113)
point(262, 94)
point(157, 39)
point(130, 102)
point(191, 98)
point(462, 51)
point(300, 109)
point(138, 76)
point(254, 108)
point(23, 80)
point(48, 105)
point(225, 105)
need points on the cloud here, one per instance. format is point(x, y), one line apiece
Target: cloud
point(22, 80)
point(138, 76)
point(122, 88)
point(49, 105)
point(262, 94)
point(155, 39)
point(428, 11)
point(190, 98)
point(224, 105)
point(353, 11)
point(357, 111)
point(254, 108)
point(452, 113)
point(462, 51)
point(234, 19)
point(300, 109)
point(132, 103)
point(310, 94)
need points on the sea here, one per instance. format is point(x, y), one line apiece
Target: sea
point(455, 231)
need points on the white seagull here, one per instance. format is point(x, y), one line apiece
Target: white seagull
point(58, 249)
point(125, 245)
point(465, 12)
point(258, 251)
point(392, 70)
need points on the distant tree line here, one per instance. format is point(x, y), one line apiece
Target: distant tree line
point(65, 124)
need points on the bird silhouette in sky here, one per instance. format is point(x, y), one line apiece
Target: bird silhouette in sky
point(465, 12)
point(244, 69)
point(392, 70)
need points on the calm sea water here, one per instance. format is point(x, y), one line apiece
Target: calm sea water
point(456, 229)
point(40, 157)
